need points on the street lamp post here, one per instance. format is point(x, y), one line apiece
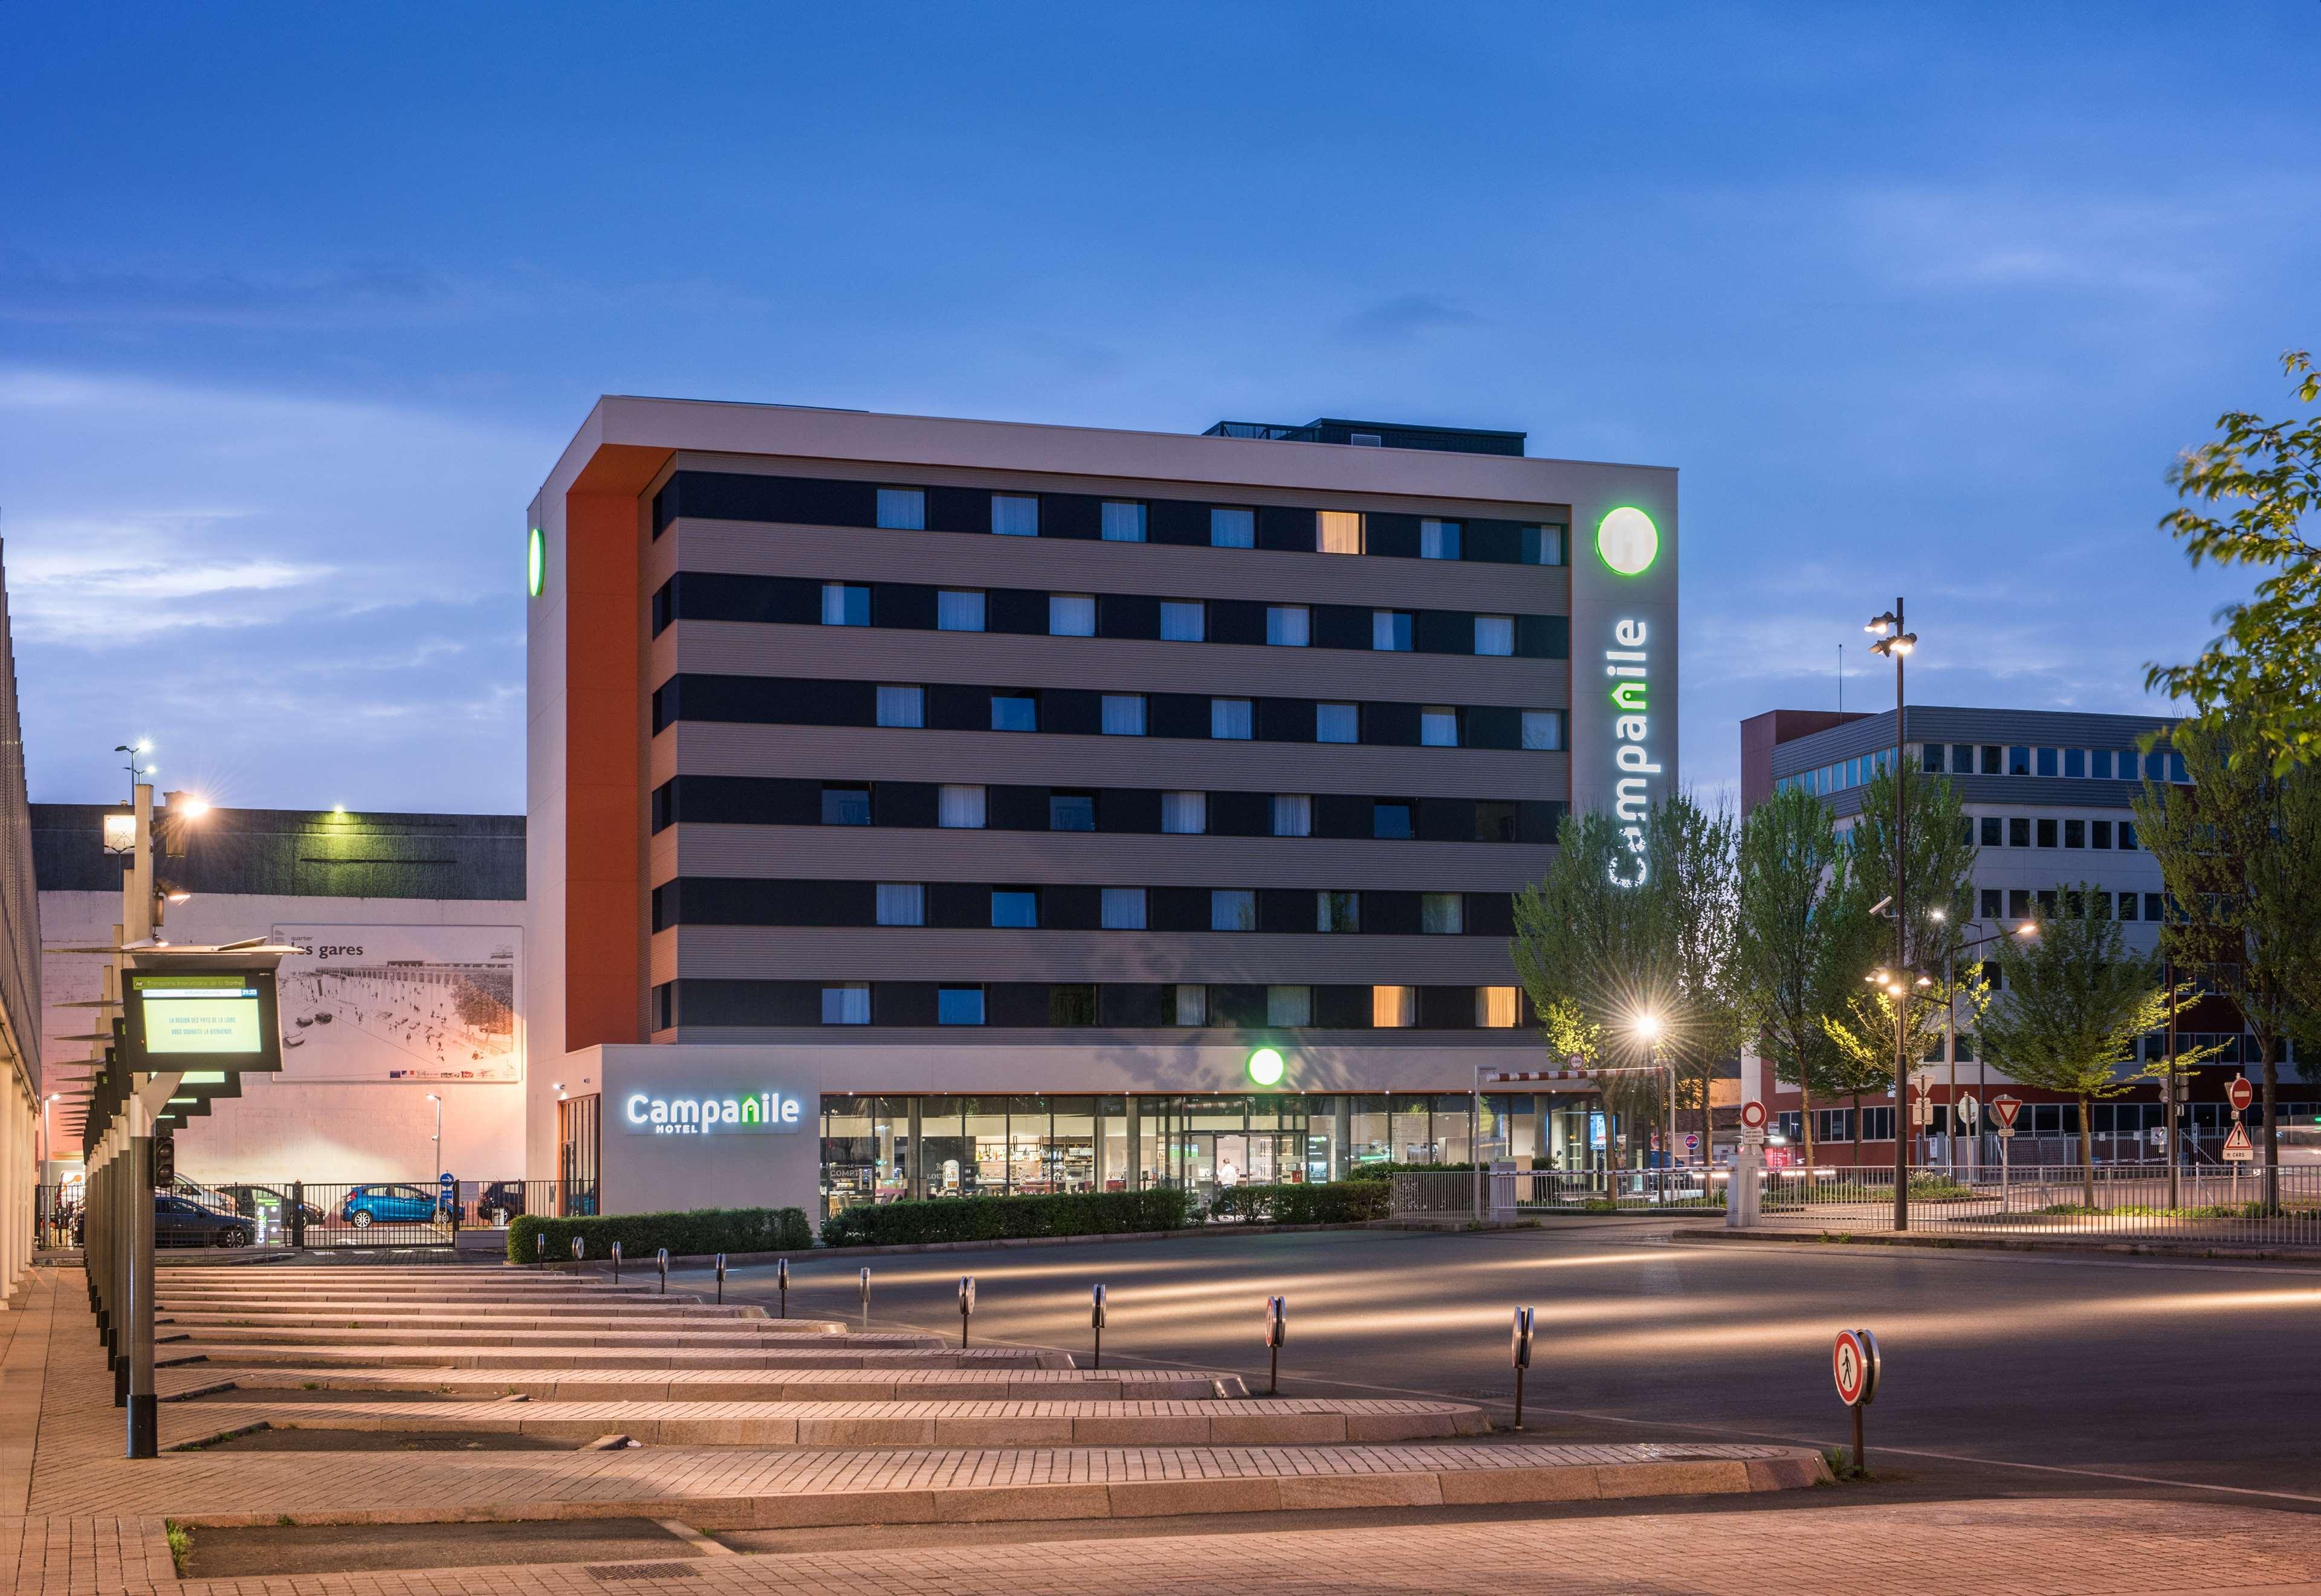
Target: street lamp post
point(1951, 950)
point(438, 1137)
point(1895, 643)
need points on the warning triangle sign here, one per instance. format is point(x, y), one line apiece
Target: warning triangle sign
point(2236, 1145)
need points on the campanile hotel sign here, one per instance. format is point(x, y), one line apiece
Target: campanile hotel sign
point(1624, 662)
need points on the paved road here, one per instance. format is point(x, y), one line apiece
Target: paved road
point(2154, 1370)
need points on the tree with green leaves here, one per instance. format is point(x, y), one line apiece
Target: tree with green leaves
point(2072, 1004)
point(1697, 912)
point(2263, 673)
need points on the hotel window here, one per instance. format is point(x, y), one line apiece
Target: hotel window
point(1994, 903)
point(902, 508)
point(1182, 620)
point(1993, 759)
point(1232, 529)
point(1016, 515)
point(846, 1004)
point(1123, 909)
point(1072, 811)
point(1961, 758)
point(2047, 761)
point(1495, 820)
point(2018, 903)
point(1184, 814)
point(958, 610)
point(1192, 1005)
point(1341, 532)
point(1014, 909)
point(1123, 714)
point(1233, 909)
point(1543, 546)
point(2099, 763)
point(1438, 539)
point(1931, 758)
point(1393, 1008)
point(1293, 814)
point(2018, 761)
point(2075, 833)
point(2075, 763)
point(959, 1005)
point(1337, 911)
point(2153, 903)
point(1438, 727)
point(2128, 833)
point(845, 604)
point(845, 806)
point(1442, 914)
point(1123, 521)
point(2046, 833)
point(1071, 615)
point(1288, 626)
point(1542, 729)
point(1391, 818)
point(1014, 711)
point(1494, 1007)
point(1289, 1005)
point(1337, 722)
point(1230, 718)
point(902, 903)
point(1990, 828)
point(2018, 831)
point(902, 706)
point(961, 808)
point(1070, 1003)
point(1495, 634)
point(2127, 905)
point(1390, 630)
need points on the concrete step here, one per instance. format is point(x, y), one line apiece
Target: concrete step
point(931, 1356)
point(882, 1385)
point(768, 1335)
point(590, 1307)
point(389, 1320)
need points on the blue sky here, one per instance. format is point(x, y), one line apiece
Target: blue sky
point(297, 306)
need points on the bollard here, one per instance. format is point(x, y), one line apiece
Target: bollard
point(1855, 1364)
point(720, 1280)
point(660, 1260)
point(616, 1263)
point(1096, 1323)
point(966, 1305)
point(866, 1296)
point(782, 1280)
point(1277, 1330)
point(1520, 1350)
point(298, 1213)
point(580, 1251)
point(539, 1249)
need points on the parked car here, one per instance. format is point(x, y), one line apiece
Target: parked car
point(247, 1200)
point(499, 1201)
point(180, 1222)
point(368, 1205)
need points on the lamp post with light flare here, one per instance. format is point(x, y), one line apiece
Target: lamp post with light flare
point(1951, 950)
point(1895, 643)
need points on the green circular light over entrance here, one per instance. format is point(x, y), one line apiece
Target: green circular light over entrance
point(1628, 541)
point(535, 562)
point(1266, 1067)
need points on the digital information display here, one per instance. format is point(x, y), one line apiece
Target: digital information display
point(186, 1014)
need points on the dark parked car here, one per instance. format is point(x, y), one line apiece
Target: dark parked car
point(180, 1222)
point(499, 1201)
point(248, 1199)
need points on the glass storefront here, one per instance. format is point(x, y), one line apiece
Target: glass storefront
point(882, 1148)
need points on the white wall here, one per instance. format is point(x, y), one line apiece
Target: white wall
point(283, 1128)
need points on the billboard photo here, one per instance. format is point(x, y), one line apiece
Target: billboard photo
point(401, 1002)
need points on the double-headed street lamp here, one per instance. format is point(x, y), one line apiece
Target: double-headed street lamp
point(1895, 643)
point(1648, 1027)
point(2027, 930)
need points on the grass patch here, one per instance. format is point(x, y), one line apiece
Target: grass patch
point(181, 1544)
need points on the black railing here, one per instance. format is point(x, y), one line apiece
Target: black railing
point(324, 1214)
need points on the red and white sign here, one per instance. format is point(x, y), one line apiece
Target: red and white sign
point(2003, 1110)
point(1921, 1087)
point(2241, 1093)
point(2236, 1146)
point(1692, 1141)
point(1853, 1363)
point(1752, 1115)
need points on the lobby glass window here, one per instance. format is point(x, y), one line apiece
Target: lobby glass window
point(2046, 833)
point(1014, 909)
point(1337, 911)
point(902, 706)
point(902, 508)
point(1288, 626)
point(959, 1005)
point(1438, 539)
point(1390, 630)
point(1442, 914)
point(848, 1003)
point(961, 809)
point(1233, 909)
point(1337, 722)
point(1542, 729)
point(1184, 814)
point(957, 610)
point(2018, 903)
point(1123, 520)
point(1993, 903)
point(1543, 546)
point(1991, 825)
point(1341, 532)
point(2075, 833)
point(902, 903)
point(1072, 811)
point(2047, 761)
point(1438, 726)
point(1123, 909)
point(1183, 621)
point(1495, 820)
point(1123, 714)
point(1293, 814)
point(1289, 1005)
point(2099, 834)
point(1496, 1007)
point(2018, 761)
point(1495, 634)
point(846, 806)
point(1232, 529)
point(845, 604)
point(2018, 831)
point(1016, 515)
point(1394, 818)
point(1231, 719)
point(1192, 1005)
point(1393, 1008)
point(1014, 711)
point(1071, 614)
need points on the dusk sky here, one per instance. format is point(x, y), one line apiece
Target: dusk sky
point(298, 304)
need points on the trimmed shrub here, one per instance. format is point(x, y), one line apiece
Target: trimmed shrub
point(1008, 1218)
point(1327, 1203)
point(694, 1234)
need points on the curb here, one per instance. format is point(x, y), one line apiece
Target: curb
point(996, 1244)
point(2005, 1244)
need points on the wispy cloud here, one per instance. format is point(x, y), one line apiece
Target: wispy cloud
point(1405, 317)
point(329, 297)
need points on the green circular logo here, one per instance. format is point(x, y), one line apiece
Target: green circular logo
point(536, 562)
point(1628, 541)
point(1266, 1067)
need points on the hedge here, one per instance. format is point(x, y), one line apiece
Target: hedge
point(694, 1234)
point(1008, 1218)
point(1330, 1202)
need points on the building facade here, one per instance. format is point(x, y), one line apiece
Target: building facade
point(927, 807)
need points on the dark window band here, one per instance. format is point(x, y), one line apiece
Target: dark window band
point(1051, 1005)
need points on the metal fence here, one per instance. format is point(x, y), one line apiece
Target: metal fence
point(1534, 1192)
point(2228, 1204)
point(317, 1214)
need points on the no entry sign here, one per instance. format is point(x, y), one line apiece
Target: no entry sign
point(1853, 1363)
point(1752, 1115)
point(2241, 1093)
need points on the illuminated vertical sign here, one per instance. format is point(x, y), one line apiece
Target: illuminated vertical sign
point(1628, 543)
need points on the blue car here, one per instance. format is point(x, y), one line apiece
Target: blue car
point(367, 1205)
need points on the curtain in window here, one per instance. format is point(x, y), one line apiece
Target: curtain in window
point(1494, 1007)
point(1341, 532)
point(1438, 539)
point(1233, 909)
point(1288, 626)
point(1192, 1005)
point(1123, 523)
point(1230, 718)
point(1233, 529)
point(1495, 634)
point(1071, 615)
point(1438, 727)
point(1542, 729)
point(1123, 714)
point(1393, 1008)
point(1123, 909)
point(1016, 515)
point(903, 507)
point(1390, 630)
point(1290, 1005)
point(958, 611)
point(1181, 621)
point(902, 706)
point(1185, 812)
point(1293, 814)
point(1337, 911)
point(842, 605)
point(846, 1005)
point(962, 808)
point(1336, 722)
point(1441, 914)
point(902, 903)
